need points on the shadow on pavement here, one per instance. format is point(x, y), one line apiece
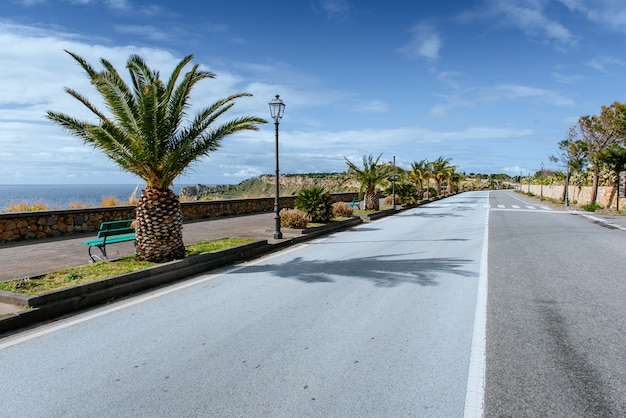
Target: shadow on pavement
point(383, 271)
point(436, 215)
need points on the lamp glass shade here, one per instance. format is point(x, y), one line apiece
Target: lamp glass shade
point(277, 108)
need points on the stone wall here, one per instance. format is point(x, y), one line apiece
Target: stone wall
point(41, 224)
point(580, 195)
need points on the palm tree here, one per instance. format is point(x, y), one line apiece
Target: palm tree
point(453, 179)
point(419, 173)
point(144, 134)
point(441, 170)
point(372, 175)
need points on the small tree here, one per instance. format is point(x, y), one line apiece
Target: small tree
point(419, 172)
point(441, 170)
point(572, 154)
point(600, 133)
point(371, 175)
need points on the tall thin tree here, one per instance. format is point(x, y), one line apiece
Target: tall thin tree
point(600, 133)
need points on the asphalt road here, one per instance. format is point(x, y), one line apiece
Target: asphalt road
point(389, 319)
point(556, 327)
point(378, 321)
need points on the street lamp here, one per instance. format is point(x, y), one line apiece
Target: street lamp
point(277, 108)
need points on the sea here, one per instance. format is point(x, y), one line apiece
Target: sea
point(60, 196)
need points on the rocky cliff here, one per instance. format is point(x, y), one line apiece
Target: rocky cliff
point(264, 185)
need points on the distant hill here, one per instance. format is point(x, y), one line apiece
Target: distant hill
point(264, 186)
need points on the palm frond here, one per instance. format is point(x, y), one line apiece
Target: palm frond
point(144, 130)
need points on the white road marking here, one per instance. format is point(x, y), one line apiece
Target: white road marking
point(475, 389)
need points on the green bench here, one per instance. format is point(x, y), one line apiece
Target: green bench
point(110, 233)
point(355, 203)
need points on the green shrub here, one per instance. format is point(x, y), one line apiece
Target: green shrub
point(342, 210)
point(316, 203)
point(406, 194)
point(293, 218)
point(591, 207)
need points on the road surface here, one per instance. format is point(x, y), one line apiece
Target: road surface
point(556, 335)
point(377, 321)
point(405, 316)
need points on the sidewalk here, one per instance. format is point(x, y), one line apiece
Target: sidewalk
point(31, 258)
point(35, 257)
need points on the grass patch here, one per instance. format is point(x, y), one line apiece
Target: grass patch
point(592, 207)
point(216, 245)
point(95, 271)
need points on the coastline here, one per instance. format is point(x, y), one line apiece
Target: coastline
point(62, 196)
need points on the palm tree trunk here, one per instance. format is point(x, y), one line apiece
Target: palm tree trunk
point(159, 226)
point(371, 200)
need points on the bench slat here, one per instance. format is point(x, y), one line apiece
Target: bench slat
point(111, 232)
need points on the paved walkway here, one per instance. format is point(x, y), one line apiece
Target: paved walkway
point(35, 257)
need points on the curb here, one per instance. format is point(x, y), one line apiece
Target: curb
point(50, 305)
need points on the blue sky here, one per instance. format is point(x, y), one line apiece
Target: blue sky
point(493, 85)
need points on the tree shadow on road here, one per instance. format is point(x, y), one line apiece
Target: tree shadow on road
point(436, 215)
point(382, 271)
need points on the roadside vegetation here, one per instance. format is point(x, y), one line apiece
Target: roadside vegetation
point(95, 271)
point(593, 154)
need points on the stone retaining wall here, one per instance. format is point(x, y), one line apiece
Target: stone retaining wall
point(41, 224)
point(580, 195)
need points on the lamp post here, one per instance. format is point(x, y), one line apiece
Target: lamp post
point(567, 176)
point(393, 184)
point(277, 108)
point(541, 180)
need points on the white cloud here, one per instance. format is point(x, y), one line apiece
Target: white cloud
point(567, 78)
point(608, 13)
point(335, 8)
point(603, 64)
point(425, 42)
point(529, 17)
point(473, 97)
point(36, 70)
point(28, 3)
point(146, 31)
point(118, 4)
point(514, 92)
point(375, 106)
